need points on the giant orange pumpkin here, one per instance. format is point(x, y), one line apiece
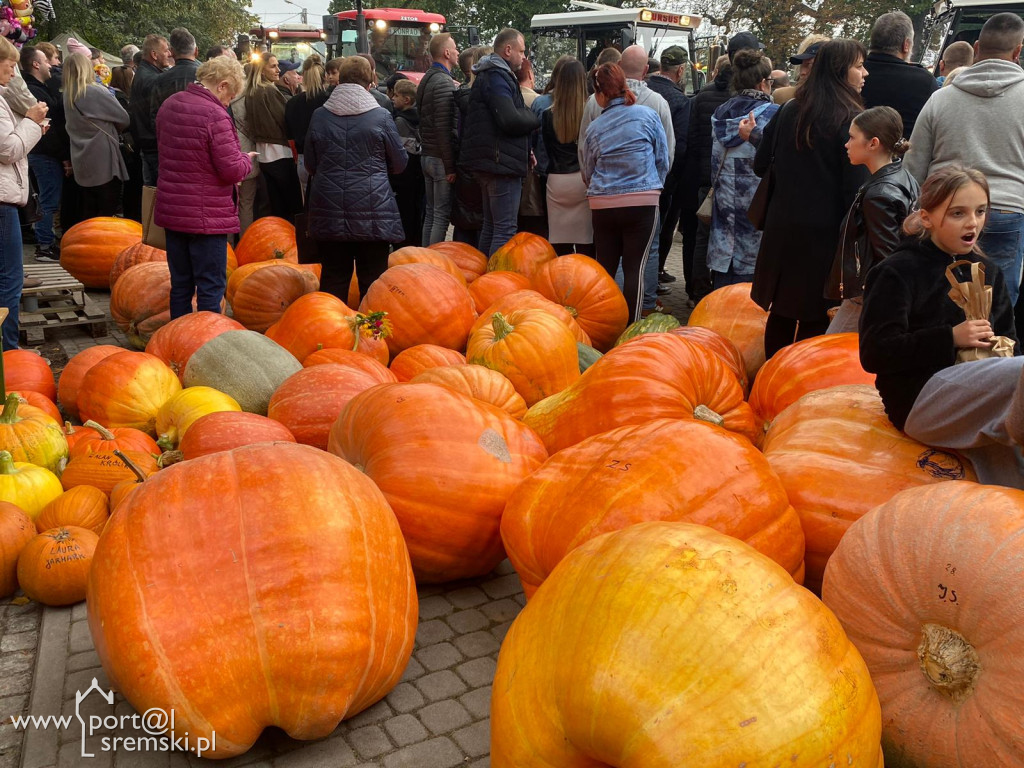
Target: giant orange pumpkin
point(731, 312)
point(669, 644)
point(589, 294)
point(667, 469)
point(139, 253)
point(654, 376)
point(306, 618)
point(446, 463)
point(471, 261)
point(262, 296)
point(269, 237)
point(319, 320)
point(524, 253)
point(89, 249)
point(839, 457)
point(720, 345)
point(493, 285)
point(411, 362)
point(176, 342)
point(809, 365)
point(16, 530)
point(73, 373)
point(26, 370)
point(424, 304)
point(127, 390)
point(140, 301)
point(928, 587)
point(225, 430)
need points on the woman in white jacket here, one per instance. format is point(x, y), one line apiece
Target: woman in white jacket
point(17, 136)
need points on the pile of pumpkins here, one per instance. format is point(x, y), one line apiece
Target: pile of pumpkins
point(661, 490)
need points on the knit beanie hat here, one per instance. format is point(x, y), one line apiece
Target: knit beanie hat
point(73, 46)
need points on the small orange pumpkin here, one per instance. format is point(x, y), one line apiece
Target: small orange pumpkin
point(268, 237)
point(16, 530)
point(531, 299)
point(53, 568)
point(319, 320)
point(490, 287)
point(412, 361)
point(524, 253)
point(140, 301)
point(25, 370)
point(85, 506)
point(262, 296)
point(73, 373)
point(471, 261)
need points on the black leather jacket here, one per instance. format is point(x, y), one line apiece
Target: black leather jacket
point(872, 228)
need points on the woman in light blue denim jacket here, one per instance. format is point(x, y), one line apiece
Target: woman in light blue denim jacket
point(625, 162)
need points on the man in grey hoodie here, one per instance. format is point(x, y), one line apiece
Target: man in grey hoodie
point(977, 122)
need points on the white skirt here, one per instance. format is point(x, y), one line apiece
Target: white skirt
point(569, 218)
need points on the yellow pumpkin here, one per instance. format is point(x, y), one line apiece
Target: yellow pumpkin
point(29, 434)
point(28, 486)
point(177, 414)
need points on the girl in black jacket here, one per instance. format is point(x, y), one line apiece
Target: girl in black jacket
point(911, 332)
point(873, 226)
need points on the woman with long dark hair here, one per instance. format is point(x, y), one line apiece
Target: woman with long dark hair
point(814, 187)
point(570, 226)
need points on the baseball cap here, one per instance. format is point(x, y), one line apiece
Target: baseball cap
point(288, 66)
point(673, 56)
point(810, 53)
point(743, 41)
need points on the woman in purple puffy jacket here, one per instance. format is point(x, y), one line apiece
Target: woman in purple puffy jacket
point(200, 165)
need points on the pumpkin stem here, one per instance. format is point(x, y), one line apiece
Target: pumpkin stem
point(10, 414)
point(139, 474)
point(169, 457)
point(7, 464)
point(105, 433)
point(950, 663)
point(61, 534)
point(501, 326)
point(278, 253)
point(703, 413)
point(573, 312)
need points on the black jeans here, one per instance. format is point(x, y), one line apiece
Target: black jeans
point(671, 206)
point(699, 284)
point(103, 200)
point(337, 258)
point(625, 234)
point(780, 332)
point(282, 177)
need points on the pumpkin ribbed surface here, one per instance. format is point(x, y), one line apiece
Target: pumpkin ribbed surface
point(54, 566)
point(412, 254)
point(318, 321)
point(25, 370)
point(524, 253)
point(720, 345)
point(411, 362)
point(84, 506)
point(73, 373)
point(352, 359)
point(89, 249)
point(478, 382)
point(177, 341)
point(267, 238)
point(16, 530)
point(731, 312)
point(471, 261)
point(306, 619)
point(30, 435)
point(127, 390)
point(528, 298)
point(668, 644)
point(140, 301)
point(225, 430)
point(140, 253)
point(490, 287)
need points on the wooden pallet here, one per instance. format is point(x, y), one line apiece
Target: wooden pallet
point(57, 284)
point(60, 312)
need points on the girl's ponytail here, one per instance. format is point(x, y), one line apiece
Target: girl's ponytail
point(901, 147)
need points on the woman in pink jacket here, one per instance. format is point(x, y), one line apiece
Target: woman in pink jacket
point(200, 165)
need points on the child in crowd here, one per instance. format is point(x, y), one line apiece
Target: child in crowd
point(911, 332)
point(408, 185)
point(873, 226)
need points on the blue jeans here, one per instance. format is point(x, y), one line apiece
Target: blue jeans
point(501, 196)
point(197, 264)
point(150, 168)
point(49, 172)
point(12, 274)
point(439, 200)
point(1003, 242)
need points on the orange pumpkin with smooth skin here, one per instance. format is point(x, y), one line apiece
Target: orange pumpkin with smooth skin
point(262, 296)
point(73, 373)
point(666, 469)
point(89, 249)
point(318, 610)
point(16, 530)
point(446, 463)
point(85, 506)
point(105, 469)
point(806, 366)
point(268, 237)
point(140, 301)
point(53, 568)
point(176, 342)
point(928, 587)
point(731, 312)
point(478, 382)
point(225, 430)
point(530, 299)
point(309, 272)
point(93, 437)
point(127, 390)
point(471, 261)
point(670, 644)
point(530, 347)
point(352, 359)
point(839, 456)
point(524, 253)
point(588, 293)
point(654, 376)
point(25, 370)
point(490, 287)
point(412, 254)
point(413, 361)
point(319, 320)
point(720, 345)
point(38, 400)
point(139, 253)
point(425, 305)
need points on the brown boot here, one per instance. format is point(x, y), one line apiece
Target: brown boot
point(1015, 413)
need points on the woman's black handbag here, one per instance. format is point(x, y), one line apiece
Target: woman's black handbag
point(31, 212)
point(758, 210)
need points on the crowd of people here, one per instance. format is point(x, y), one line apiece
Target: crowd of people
point(842, 197)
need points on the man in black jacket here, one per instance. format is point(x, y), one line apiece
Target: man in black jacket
point(435, 102)
point(156, 57)
point(178, 77)
point(496, 138)
point(46, 159)
point(666, 83)
point(894, 81)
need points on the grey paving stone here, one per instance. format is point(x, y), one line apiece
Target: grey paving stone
point(82, 679)
point(503, 586)
point(475, 739)
point(12, 705)
point(157, 759)
point(471, 620)
point(483, 762)
point(477, 644)
point(22, 621)
point(405, 730)
point(477, 672)
point(436, 753)
point(439, 656)
point(501, 630)
point(478, 702)
point(440, 685)
point(467, 597)
point(413, 670)
point(368, 742)
point(79, 611)
point(70, 756)
point(430, 632)
point(444, 716)
point(10, 736)
point(501, 610)
point(375, 714)
point(22, 641)
point(79, 641)
point(333, 753)
point(434, 607)
point(405, 698)
point(504, 568)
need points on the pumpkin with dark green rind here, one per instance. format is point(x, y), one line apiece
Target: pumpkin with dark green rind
point(587, 355)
